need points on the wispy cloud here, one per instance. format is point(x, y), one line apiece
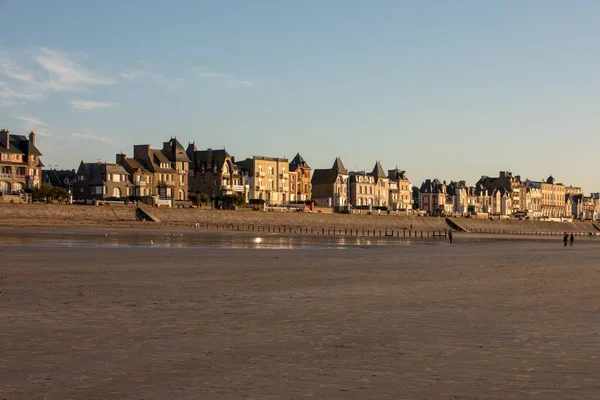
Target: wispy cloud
point(66, 75)
point(29, 75)
point(89, 105)
point(145, 77)
point(33, 124)
point(88, 136)
point(238, 83)
point(203, 73)
point(30, 120)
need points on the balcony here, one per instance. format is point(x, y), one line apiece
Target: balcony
point(260, 174)
point(13, 176)
point(225, 187)
point(285, 175)
point(261, 187)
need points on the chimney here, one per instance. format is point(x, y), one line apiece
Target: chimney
point(5, 138)
point(121, 158)
point(32, 137)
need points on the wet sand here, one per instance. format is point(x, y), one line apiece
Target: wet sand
point(498, 319)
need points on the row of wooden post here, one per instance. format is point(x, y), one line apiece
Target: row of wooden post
point(535, 233)
point(406, 233)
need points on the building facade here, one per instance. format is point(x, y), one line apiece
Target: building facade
point(214, 173)
point(330, 186)
point(300, 180)
point(267, 179)
point(20, 164)
point(401, 197)
point(101, 181)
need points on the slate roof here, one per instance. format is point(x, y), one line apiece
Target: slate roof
point(95, 170)
point(378, 171)
point(431, 186)
point(338, 165)
point(174, 151)
point(397, 174)
point(216, 157)
point(59, 178)
point(20, 144)
point(324, 176)
point(298, 162)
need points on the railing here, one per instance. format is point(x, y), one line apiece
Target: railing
point(260, 174)
point(225, 187)
point(13, 176)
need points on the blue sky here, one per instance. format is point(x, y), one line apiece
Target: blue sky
point(446, 89)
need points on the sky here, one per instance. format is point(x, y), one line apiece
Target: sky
point(442, 89)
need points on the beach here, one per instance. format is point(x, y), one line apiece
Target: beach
point(490, 319)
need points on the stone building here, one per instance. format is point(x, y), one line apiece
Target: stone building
point(20, 164)
point(101, 181)
point(214, 173)
point(330, 186)
point(400, 196)
point(267, 178)
point(300, 176)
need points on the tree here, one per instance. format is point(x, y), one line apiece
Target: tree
point(48, 193)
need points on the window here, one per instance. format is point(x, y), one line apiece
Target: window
point(270, 170)
point(270, 183)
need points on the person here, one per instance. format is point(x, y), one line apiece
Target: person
point(572, 239)
point(450, 235)
point(565, 239)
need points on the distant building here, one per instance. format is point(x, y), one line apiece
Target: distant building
point(101, 181)
point(330, 186)
point(64, 179)
point(159, 173)
point(553, 198)
point(512, 185)
point(300, 180)
point(433, 198)
point(400, 193)
point(214, 173)
point(267, 178)
point(20, 164)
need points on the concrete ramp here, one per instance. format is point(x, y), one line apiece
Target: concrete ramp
point(454, 225)
point(145, 215)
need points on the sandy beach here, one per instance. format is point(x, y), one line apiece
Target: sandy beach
point(496, 319)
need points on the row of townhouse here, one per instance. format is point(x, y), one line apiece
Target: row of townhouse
point(174, 173)
point(150, 172)
point(273, 180)
point(507, 195)
point(342, 189)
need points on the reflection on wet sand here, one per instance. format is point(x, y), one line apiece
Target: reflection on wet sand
point(127, 239)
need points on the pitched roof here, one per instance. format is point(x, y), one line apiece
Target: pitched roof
point(324, 176)
point(174, 151)
point(431, 186)
point(298, 162)
point(378, 171)
point(338, 165)
point(19, 144)
point(215, 157)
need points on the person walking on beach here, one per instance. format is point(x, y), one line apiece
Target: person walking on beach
point(450, 235)
point(572, 239)
point(565, 239)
